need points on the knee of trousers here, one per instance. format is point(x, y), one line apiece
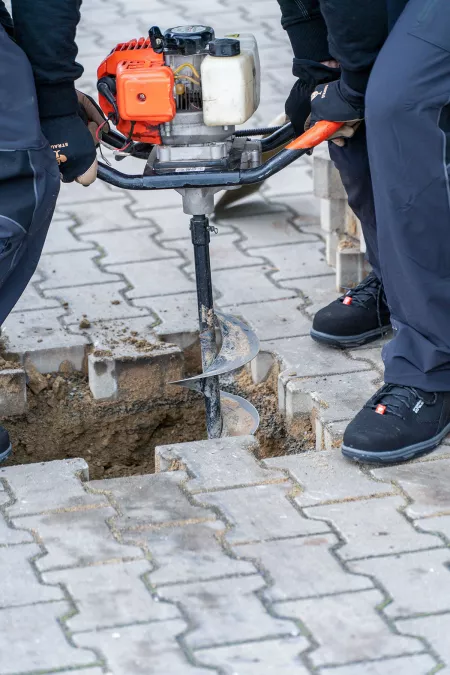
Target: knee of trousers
point(386, 101)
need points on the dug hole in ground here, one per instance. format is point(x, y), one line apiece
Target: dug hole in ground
point(118, 437)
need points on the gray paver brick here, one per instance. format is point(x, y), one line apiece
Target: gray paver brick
point(25, 636)
point(318, 291)
point(426, 483)
point(297, 178)
point(97, 304)
point(11, 535)
point(293, 261)
point(335, 397)
point(273, 320)
point(226, 610)
point(105, 215)
point(76, 268)
point(223, 250)
point(272, 657)
point(129, 245)
point(46, 487)
point(61, 239)
point(372, 355)
point(31, 300)
point(111, 595)
point(305, 358)
point(258, 288)
point(348, 628)
point(208, 473)
point(270, 516)
point(151, 500)
point(387, 534)
point(131, 650)
point(418, 582)
point(189, 553)
point(172, 223)
point(327, 477)
point(178, 314)
point(147, 277)
point(435, 630)
point(303, 567)
point(77, 194)
point(15, 564)
point(74, 538)
point(439, 525)
point(408, 665)
point(266, 229)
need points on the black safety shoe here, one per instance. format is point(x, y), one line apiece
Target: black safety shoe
point(397, 424)
point(358, 317)
point(5, 445)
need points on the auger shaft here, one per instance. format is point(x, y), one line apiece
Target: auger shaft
point(200, 234)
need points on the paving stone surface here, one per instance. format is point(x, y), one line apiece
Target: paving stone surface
point(218, 563)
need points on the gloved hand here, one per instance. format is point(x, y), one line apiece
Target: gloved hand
point(73, 139)
point(309, 74)
point(336, 102)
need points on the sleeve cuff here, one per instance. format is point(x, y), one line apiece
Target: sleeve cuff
point(309, 40)
point(356, 80)
point(57, 100)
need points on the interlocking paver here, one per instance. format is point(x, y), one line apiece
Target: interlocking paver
point(223, 251)
point(226, 610)
point(47, 487)
point(146, 277)
point(189, 553)
point(271, 657)
point(32, 640)
point(328, 477)
point(95, 217)
point(348, 628)
point(202, 459)
point(427, 484)
point(173, 224)
point(271, 515)
point(97, 305)
point(435, 630)
point(111, 595)
point(9, 534)
point(258, 287)
point(439, 525)
point(293, 261)
point(132, 650)
point(151, 500)
point(15, 563)
point(273, 320)
point(407, 665)
point(387, 534)
point(303, 567)
point(266, 229)
point(75, 538)
point(305, 358)
point(60, 238)
point(418, 582)
point(123, 246)
point(178, 313)
point(76, 268)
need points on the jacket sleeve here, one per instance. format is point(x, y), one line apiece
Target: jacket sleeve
point(306, 28)
point(45, 30)
point(357, 29)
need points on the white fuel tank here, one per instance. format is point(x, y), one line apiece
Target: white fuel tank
point(228, 84)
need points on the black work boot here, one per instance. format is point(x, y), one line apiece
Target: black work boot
point(397, 424)
point(360, 316)
point(5, 444)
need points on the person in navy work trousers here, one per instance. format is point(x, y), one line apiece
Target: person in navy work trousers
point(44, 122)
point(383, 68)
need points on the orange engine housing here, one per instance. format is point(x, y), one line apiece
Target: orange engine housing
point(144, 86)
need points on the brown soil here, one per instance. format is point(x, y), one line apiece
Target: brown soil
point(119, 439)
point(115, 439)
point(275, 436)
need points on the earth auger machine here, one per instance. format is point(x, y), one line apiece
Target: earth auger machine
point(175, 100)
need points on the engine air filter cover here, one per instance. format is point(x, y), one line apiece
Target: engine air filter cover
point(189, 39)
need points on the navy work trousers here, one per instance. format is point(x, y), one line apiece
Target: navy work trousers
point(396, 172)
point(29, 176)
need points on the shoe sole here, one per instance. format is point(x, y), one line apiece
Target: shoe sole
point(5, 454)
point(396, 456)
point(349, 341)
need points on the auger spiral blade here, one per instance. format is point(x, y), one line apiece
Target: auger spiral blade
point(240, 345)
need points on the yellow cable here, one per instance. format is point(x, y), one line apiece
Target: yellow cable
point(187, 77)
point(187, 65)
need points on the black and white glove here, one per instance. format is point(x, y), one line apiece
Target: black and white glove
point(309, 74)
point(336, 102)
